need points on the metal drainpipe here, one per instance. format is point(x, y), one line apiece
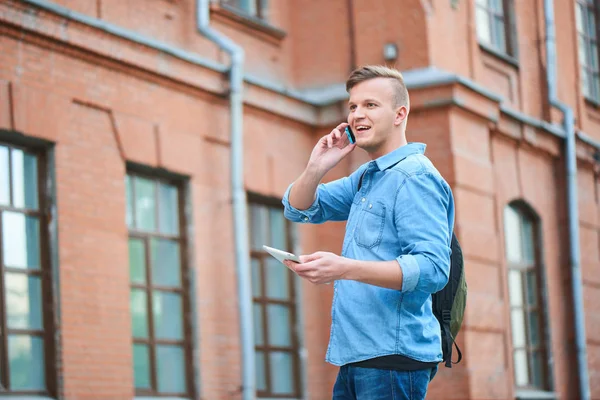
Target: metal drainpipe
point(242, 251)
point(572, 204)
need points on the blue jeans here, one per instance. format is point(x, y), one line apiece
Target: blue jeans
point(356, 383)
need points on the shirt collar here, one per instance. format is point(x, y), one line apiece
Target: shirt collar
point(394, 157)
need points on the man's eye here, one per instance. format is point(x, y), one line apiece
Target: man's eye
point(352, 108)
point(371, 105)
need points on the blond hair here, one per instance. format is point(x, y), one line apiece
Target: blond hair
point(379, 71)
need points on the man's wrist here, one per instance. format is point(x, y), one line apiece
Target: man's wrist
point(315, 172)
point(350, 269)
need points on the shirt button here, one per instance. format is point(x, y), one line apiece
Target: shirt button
point(363, 200)
point(305, 218)
point(370, 205)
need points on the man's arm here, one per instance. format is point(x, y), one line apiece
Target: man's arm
point(323, 267)
point(421, 220)
point(424, 217)
point(302, 194)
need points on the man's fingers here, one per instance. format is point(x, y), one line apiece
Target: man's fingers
point(310, 257)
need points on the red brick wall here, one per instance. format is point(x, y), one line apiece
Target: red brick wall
point(105, 101)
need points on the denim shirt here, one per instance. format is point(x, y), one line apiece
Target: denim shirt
point(403, 211)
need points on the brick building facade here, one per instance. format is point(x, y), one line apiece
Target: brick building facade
point(118, 253)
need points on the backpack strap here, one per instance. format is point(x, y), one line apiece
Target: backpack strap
point(458, 351)
point(360, 180)
point(447, 337)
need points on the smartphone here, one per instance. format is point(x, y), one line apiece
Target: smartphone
point(281, 255)
point(350, 135)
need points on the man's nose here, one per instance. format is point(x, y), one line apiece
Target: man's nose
point(359, 113)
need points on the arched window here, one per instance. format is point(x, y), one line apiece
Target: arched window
point(525, 297)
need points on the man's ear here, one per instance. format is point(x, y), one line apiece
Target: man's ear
point(401, 114)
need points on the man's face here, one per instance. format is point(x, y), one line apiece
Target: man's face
point(372, 113)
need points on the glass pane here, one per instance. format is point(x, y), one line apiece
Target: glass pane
point(139, 313)
point(170, 369)
point(259, 337)
point(596, 88)
point(277, 277)
point(264, 9)
point(248, 6)
point(166, 263)
point(24, 179)
point(279, 325)
point(594, 58)
point(21, 240)
point(496, 5)
point(580, 17)
point(261, 371)
point(278, 236)
point(537, 366)
point(256, 282)
point(528, 242)
point(141, 366)
point(137, 261)
point(168, 209)
point(483, 26)
point(585, 83)
point(129, 200)
point(23, 301)
point(4, 179)
point(499, 34)
point(258, 226)
point(534, 328)
point(26, 362)
point(145, 204)
point(282, 373)
point(168, 315)
point(521, 374)
point(532, 294)
point(512, 235)
point(581, 47)
point(591, 24)
point(517, 319)
point(515, 288)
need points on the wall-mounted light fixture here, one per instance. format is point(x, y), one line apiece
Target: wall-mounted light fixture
point(390, 51)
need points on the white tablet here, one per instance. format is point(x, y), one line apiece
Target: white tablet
point(281, 255)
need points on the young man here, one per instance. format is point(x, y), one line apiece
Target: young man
point(396, 250)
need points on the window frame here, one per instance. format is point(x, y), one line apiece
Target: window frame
point(524, 268)
point(149, 288)
point(509, 29)
point(48, 308)
point(295, 345)
point(593, 7)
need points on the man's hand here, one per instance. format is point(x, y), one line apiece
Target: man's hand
point(320, 267)
point(330, 150)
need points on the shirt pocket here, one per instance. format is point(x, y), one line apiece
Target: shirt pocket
point(369, 229)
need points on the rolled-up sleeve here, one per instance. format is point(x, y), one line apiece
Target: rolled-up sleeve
point(424, 220)
point(332, 202)
point(295, 215)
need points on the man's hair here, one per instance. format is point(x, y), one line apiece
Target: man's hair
point(379, 71)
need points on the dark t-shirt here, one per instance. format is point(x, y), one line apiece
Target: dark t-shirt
point(394, 362)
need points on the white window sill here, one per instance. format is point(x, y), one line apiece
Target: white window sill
point(535, 395)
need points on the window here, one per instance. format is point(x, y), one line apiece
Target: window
point(587, 36)
point(494, 25)
point(254, 8)
point(159, 299)
point(277, 358)
point(26, 340)
point(524, 286)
